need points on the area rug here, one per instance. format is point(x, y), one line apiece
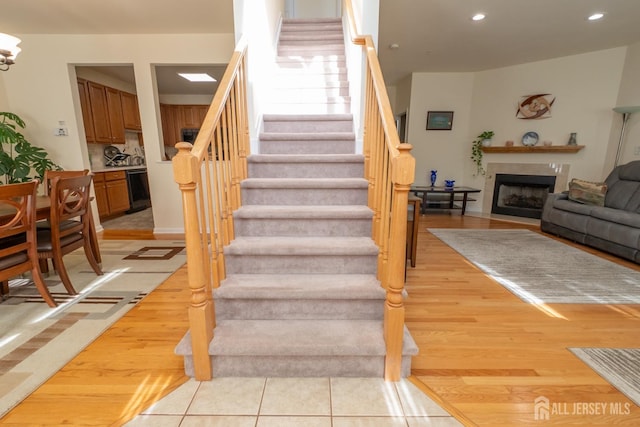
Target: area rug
point(37, 340)
point(539, 269)
point(619, 366)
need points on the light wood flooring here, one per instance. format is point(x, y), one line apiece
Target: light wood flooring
point(484, 354)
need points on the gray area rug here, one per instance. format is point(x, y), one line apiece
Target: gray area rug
point(619, 366)
point(539, 269)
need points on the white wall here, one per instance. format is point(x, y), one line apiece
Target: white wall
point(314, 8)
point(41, 88)
point(585, 87)
point(629, 95)
point(444, 151)
point(260, 23)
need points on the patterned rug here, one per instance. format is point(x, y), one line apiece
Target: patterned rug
point(539, 269)
point(36, 340)
point(619, 366)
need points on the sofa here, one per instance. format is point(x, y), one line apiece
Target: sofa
point(613, 225)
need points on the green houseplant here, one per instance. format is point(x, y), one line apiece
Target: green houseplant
point(476, 150)
point(18, 158)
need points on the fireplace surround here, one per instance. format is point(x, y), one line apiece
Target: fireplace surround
point(560, 171)
point(521, 195)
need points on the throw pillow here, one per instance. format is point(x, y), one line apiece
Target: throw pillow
point(590, 193)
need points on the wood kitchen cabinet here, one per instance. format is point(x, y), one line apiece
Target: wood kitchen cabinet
point(177, 117)
point(112, 192)
point(130, 111)
point(107, 112)
point(99, 112)
point(192, 115)
point(170, 129)
point(115, 115)
point(87, 117)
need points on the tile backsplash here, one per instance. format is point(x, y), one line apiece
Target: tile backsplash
point(131, 146)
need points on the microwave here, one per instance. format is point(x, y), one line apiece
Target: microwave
point(189, 134)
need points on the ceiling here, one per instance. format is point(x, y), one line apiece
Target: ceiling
point(432, 35)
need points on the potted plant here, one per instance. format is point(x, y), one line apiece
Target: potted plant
point(18, 158)
point(482, 140)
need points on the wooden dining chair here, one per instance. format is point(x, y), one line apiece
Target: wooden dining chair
point(18, 252)
point(69, 225)
point(49, 175)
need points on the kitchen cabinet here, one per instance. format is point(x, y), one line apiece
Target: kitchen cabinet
point(99, 112)
point(107, 112)
point(130, 111)
point(177, 117)
point(101, 194)
point(112, 192)
point(115, 115)
point(192, 115)
point(170, 131)
point(87, 117)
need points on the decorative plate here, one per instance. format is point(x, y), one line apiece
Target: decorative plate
point(530, 139)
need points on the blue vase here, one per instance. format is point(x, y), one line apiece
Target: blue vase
point(434, 176)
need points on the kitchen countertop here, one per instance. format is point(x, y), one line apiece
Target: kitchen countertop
point(118, 168)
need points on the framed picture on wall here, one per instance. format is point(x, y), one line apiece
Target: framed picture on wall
point(439, 120)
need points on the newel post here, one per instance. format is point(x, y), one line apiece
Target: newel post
point(201, 314)
point(402, 175)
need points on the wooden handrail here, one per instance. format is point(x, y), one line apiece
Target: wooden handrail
point(389, 168)
point(208, 174)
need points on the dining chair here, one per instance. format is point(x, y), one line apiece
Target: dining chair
point(18, 251)
point(49, 175)
point(69, 225)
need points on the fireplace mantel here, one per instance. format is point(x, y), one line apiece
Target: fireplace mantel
point(534, 149)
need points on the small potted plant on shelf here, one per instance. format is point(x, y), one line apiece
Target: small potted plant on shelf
point(482, 140)
point(18, 158)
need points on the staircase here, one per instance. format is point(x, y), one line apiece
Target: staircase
point(301, 298)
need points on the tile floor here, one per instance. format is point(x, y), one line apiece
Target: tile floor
point(289, 402)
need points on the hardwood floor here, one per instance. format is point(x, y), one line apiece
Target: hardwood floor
point(486, 354)
point(489, 355)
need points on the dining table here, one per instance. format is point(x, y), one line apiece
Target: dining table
point(43, 213)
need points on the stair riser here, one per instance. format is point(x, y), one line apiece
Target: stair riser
point(310, 42)
point(295, 93)
point(302, 227)
point(303, 29)
point(307, 147)
point(292, 309)
point(342, 108)
point(312, 264)
point(272, 366)
point(306, 170)
point(311, 126)
point(325, 71)
point(304, 196)
point(335, 53)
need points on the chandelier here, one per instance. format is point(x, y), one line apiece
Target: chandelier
point(8, 50)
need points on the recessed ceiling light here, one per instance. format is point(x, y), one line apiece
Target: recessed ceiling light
point(197, 77)
point(478, 17)
point(596, 16)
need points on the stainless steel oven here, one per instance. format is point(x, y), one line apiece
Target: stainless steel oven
point(139, 196)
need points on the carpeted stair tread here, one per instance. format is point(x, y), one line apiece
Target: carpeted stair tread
point(300, 286)
point(313, 136)
point(298, 338)
point(306, 158)
point(306, 117)
point(317, 59)
point(304, 183)
point(325, 37)
point(301, 246)
point(304, 212)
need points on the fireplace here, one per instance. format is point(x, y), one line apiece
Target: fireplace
point(521, 195)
